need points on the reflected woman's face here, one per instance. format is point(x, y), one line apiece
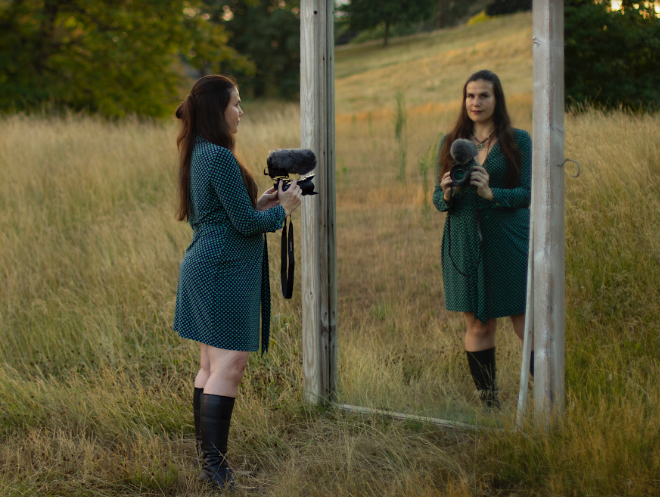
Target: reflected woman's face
point(480, 101)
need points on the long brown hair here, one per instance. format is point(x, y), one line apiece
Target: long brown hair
point(503, 130)
point(203, 113)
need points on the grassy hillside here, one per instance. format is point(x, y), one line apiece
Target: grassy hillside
point(433, 67)
point(95, 387)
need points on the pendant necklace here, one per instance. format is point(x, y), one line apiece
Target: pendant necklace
point(480, 144)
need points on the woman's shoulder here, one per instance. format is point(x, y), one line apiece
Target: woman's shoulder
point(215, 152)
point(521, 136)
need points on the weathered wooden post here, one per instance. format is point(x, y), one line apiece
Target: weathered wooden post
point(548, 208)
point(319, 253)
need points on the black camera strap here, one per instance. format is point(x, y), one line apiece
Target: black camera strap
point(287, 250)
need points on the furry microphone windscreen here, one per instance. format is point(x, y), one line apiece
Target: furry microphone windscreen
point(292, 160)
point(462, 150)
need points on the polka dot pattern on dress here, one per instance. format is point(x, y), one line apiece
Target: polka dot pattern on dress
point(223, 278)
point(496, 284)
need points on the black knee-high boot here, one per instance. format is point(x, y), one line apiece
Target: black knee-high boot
point(482, 367)
point(215, 417)
point(197, 398)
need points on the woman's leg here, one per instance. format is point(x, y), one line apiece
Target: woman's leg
point(518, 322)
point(204, 366)
point(480, 349)
point(226, 368)
point(200, 380)
point(479, 336)
point(220, 389)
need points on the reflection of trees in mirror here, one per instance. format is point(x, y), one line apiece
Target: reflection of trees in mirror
point(400, 120)
point(361, 15)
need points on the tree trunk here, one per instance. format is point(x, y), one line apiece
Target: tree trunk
point(387, 33)
point(442, 13)
point(46, 40)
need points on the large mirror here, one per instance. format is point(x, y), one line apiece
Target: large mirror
point(399, 349)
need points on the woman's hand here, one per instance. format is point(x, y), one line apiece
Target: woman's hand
point(446, 184)
point(291, 198)
point(268, 200)
point(480, 178)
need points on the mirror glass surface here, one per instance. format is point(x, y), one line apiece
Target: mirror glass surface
point(399, 349)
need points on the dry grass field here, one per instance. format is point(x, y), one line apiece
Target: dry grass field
point(95, 387)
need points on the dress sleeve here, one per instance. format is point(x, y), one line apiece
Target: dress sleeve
point(227, 181)
point(438, 193)
point(520, 196)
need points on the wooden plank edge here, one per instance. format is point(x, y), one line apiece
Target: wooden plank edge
point(409, 417)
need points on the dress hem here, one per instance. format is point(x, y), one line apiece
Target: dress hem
point(499, 315)
point(223, 348)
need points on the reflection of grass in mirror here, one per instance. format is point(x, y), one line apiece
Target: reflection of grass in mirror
point(427, 163)
point(400, 134)
point(402, 350)
point(433, 67)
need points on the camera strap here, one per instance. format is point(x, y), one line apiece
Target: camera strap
point(287, 251)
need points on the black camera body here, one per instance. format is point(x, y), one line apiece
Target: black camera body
point(460, 174)
point(282, 162)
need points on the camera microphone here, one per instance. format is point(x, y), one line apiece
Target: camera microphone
point(282, 162)
point(463, 151)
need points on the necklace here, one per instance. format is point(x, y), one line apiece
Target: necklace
point(480, 144)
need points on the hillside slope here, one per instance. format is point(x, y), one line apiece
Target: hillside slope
point(433, 67)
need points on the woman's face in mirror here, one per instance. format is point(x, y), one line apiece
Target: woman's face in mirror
point(233, 112)
point(480, 101)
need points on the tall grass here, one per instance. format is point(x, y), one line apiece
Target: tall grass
point(400, 121)
point(426, 163)
point(606, 445)
point(95, 387)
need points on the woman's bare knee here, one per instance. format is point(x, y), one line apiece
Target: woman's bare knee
point(230, 365)
point(478, 329)
point(480, 332)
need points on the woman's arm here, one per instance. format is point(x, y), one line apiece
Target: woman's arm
point(438, 192)
point(228, 183)
point(519, 197)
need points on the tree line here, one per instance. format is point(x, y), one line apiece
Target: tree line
point(119, 57)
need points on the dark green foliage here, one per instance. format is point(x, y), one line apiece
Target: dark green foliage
point(611, 58)
point(366, 14)
point(112, 57)
point(451, 12)
point(499, 7)
point(268, 32)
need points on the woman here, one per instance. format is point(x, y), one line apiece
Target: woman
point(486, 234)
point(223, 278)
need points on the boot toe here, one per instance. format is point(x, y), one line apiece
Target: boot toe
point(223, 478)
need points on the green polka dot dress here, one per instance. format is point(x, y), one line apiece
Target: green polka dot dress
point(497, 277)
point(223, 278)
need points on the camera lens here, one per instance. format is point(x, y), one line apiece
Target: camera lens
point(306, 186)
point(460, 175)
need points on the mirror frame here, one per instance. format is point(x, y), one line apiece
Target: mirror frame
point(546, 278)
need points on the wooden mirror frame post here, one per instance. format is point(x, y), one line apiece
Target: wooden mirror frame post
point(319, 244)
point(319, 248)
point(548, 209)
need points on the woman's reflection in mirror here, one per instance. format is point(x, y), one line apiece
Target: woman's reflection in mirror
point(486, 233)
